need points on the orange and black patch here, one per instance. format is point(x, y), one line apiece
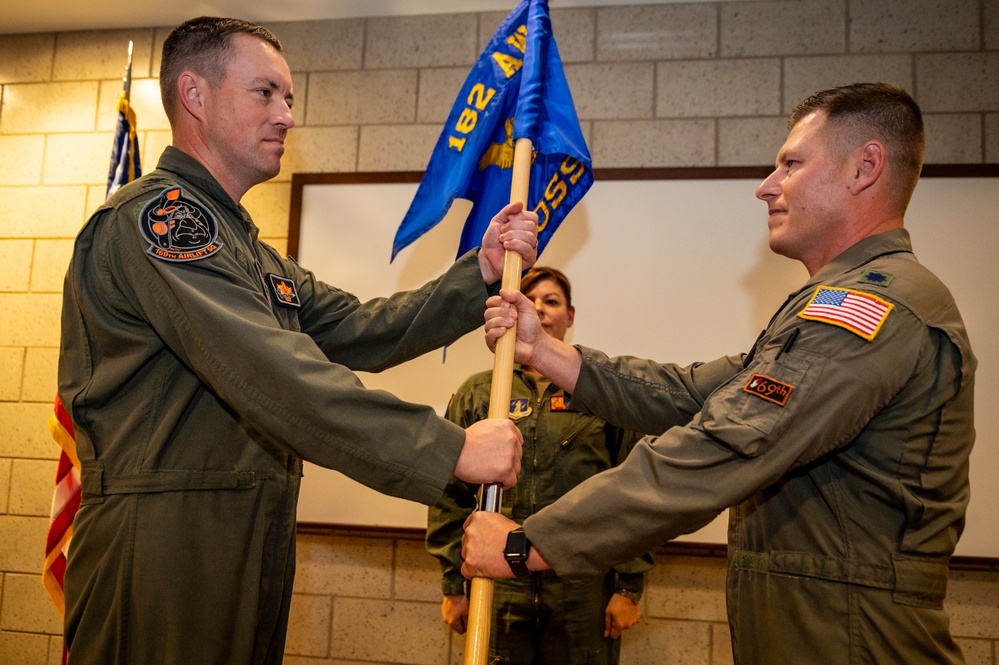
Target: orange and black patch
point(769, 389)
point(179, 228)
point(284, 291)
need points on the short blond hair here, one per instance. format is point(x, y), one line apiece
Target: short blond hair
point(862, 111)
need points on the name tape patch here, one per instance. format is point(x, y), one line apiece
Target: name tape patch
point(769, 389)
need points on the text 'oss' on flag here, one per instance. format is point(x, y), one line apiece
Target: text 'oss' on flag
point(517, 89)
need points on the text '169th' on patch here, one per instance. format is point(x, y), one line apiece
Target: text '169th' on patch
point(769, 389)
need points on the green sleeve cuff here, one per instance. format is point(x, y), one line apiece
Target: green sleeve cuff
point(634, 583)
point(451, 586)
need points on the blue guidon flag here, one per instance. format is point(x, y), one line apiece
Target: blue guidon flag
point(517, 89)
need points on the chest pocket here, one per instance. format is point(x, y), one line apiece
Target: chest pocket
point(585, 447)
point(750, 412)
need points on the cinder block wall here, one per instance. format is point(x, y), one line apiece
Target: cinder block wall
point(703, 84)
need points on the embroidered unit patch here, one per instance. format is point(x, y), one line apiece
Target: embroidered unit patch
point(859, 312)
point(769, 389)
point(557, 403)
point(178, 228)
point(284, 291)
point(520, 407)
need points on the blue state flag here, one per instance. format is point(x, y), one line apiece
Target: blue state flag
point(125, 163)
point(516, 89)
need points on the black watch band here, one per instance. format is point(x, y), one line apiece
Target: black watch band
point(518, 547)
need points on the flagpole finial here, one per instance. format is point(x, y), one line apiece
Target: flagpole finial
point(127, 80)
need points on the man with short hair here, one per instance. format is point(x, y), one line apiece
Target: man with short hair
point(200, 368)
point(840, 442)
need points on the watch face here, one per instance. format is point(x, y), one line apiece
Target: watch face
point(516, 545)
point(516, 551)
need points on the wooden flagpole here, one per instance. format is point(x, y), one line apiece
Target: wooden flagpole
point(481, 597)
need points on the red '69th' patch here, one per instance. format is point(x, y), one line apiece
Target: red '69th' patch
point(769, 389)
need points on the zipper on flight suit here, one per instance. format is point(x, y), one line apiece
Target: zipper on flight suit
point(263, 282)
point(534, 460)
point(537, 600)
point(752, 352)
point(573, 432)
point(250, 234)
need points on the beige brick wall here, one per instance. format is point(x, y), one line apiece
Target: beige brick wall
point(704, 84)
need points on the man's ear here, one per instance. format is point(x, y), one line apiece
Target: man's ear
point(870, 166)
point(190, 91)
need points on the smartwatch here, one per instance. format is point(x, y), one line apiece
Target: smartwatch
point(516, 551)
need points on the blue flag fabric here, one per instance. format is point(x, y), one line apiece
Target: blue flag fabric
point(516, 89)
point(125, 164)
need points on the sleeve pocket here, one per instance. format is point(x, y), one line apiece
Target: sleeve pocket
point(749, 413)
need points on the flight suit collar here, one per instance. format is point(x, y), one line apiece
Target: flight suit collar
point(871, 247)
point(181, 165)
point(868, 249)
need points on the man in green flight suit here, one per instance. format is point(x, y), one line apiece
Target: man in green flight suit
point(840, 441)
point(200, 368)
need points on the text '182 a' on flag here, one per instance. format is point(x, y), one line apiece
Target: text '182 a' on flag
point(516, 89)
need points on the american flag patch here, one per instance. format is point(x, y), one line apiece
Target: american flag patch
point(860, 313)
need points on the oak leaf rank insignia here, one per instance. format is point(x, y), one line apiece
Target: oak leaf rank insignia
point(284, 291)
